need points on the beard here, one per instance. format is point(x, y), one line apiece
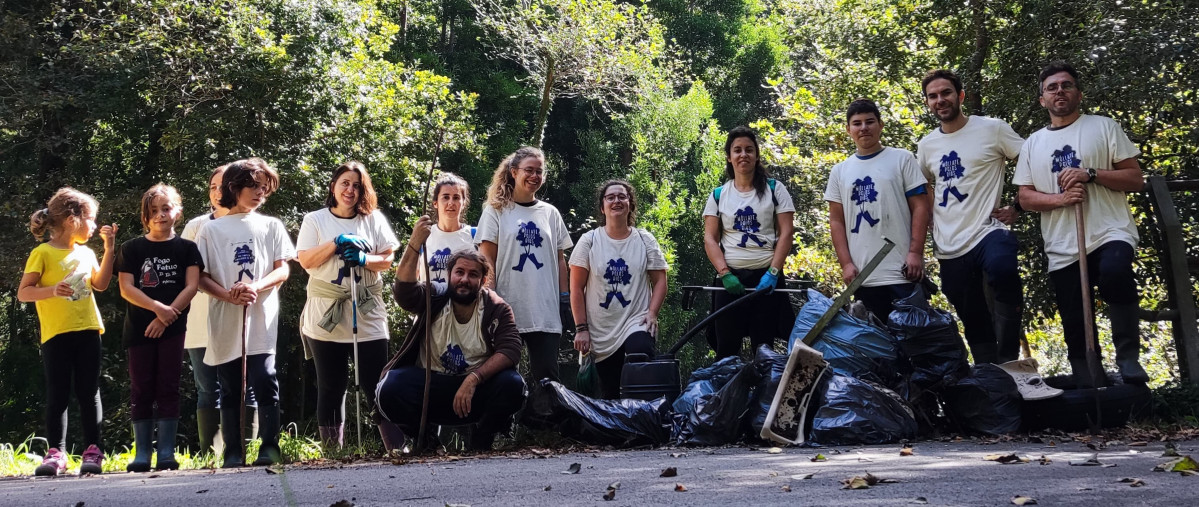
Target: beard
point(465, 297)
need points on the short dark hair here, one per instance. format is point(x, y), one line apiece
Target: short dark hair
point(1054, 68)
point(936, 74)
point(470, 255)
point(242, 174)
point(862, 106)
point(599, 200)
point(367, 200)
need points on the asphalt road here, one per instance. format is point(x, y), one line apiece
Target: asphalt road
point(941, 473)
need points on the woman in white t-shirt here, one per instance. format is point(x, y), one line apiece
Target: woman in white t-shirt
point(348, 237)
point(748, 227)
point(526, 240)
point(451, 195)
point(618, 284)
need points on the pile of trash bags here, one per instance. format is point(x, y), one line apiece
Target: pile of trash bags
point(882, 386)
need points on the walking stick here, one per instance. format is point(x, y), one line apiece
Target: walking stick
point(428, 345)
point(1094, 365)
point(357, 385)
point(245, 320)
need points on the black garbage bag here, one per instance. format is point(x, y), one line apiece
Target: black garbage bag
point(706, 381)
point(987, 401)
point(929, 339)
point(770, 366)
point(857, 412)
point(723, 416)
point(619, 423)
point(853, 347)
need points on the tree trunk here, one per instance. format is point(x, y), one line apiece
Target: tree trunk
point(982, 45)
point(404, 21)
point(547, 101)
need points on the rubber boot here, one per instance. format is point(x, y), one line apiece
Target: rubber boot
point(231, 433)
point(251, 429)
point(393, 437)
point(333, 436)
point(1009, 330)
point(166, 444)
point(208, 424)
point(1126, 336)
point(143, 437)
point(1082, 374)
point(268, 429)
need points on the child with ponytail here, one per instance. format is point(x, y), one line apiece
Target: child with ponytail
point(60, 277)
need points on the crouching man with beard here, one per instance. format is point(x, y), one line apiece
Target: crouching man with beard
point(475, 348)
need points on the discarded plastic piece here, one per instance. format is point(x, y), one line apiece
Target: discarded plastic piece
point(789, 408)
point(770, 366)
point(854, 411)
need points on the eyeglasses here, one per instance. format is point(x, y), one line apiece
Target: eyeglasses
point(616, 197)
point(1065, 86)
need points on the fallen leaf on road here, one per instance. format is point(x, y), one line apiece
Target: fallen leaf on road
point(1138, 444)
point(1023, 500)
point(455, 504)
point(329, 486)
point(906, 451)
point(202, 491)
point(679, 487)
point(1005, 459)
point(547, 488)
point(802, 477)
point(865, 460)
point(774, 450)
point(1135, 483)
point(786, 488)
point(855, 483)
point(271, 471)
point(614, 485)
point(1188, 473)
point(669, 472)
point(1171, 451)
point(774, 474)
point(1183, 464)
point(610, 494)
point(573, 469)
point(818, 457)
point(919, 500)
point(540, 452)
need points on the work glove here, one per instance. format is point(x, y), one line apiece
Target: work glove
point(768, 282)
point(351, 240)
point(353, 257)
point(732, 284)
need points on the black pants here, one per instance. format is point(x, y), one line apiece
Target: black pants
point(1110, 268)
point(543, 355)
point(764, 320)
point(402, 390)
point(880, 300)
point(260, 375)
point(993, 333)
point(609, 369)
point(333, 375)
point(72, 362)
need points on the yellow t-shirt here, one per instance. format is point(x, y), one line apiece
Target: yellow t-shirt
point(59, 315)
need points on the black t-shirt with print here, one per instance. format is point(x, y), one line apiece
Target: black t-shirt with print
point(159, 269)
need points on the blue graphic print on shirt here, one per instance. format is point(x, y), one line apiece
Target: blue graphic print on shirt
point(244, 256)
point(746, 221)
point(1065, 158)
point(453, 361)
point(437, 264)
point(951, 169)
point(616, 274)
point(529, 237)
point(863, 194)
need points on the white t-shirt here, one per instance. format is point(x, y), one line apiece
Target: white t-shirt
point(873, 192)
point(748, 231)
point(527, 240)
point(1095, 142)
point(320, 227)
point(242, 246)
point(458, 346)
point(966, 168)
point(618, 288)
point(441, 246)
point(197, 315)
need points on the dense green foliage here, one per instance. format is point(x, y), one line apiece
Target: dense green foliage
point(111, 97)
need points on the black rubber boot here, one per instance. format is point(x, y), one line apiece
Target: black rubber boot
point(1009, 330)
point(167, 428)
point(250, 431)
point(143, 435)
point(208, 425)
point(231, 433)
point(268, 429)
point(333, 437)
point(1126, 336)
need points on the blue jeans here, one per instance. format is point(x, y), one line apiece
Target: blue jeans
point(208, 383)
point(993, 331)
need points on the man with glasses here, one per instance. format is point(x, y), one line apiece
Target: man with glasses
point(1088, 161)
point(965, 159)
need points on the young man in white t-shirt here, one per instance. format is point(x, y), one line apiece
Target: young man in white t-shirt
point(1088, 161)
point(878, 192)
point(964, 159)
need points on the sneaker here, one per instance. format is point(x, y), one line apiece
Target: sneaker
point(53, 464)
point(93, 460)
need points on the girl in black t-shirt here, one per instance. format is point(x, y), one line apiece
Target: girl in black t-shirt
point(159, 274)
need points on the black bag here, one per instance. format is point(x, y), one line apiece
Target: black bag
point(723, 417)
point(987, 401)
point(770, 366)
point(705, 381)
point(619, 423)
point(930, 340)
point(854, 412)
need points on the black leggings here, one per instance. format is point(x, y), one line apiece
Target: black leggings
point(72, 360)
point(763, 320)
point(610, 368)
point(332, 360)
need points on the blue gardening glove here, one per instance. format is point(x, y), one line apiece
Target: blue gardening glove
point(768, 282)
point(345, 241)
point(732, 284)
point(354, 257)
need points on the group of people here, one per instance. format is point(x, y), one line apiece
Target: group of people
point(482, 294)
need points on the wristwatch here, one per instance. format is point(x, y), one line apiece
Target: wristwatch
point(1090, 174)
point(773, 271)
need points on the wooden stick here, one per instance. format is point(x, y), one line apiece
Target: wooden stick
point(1094, 365)
point(428, 345)
point(245, 320)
